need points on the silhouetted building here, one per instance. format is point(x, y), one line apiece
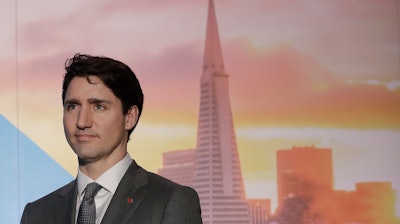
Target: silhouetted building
point(371, 202)
point(178, 166)
point(305, 183)
point(217, 174)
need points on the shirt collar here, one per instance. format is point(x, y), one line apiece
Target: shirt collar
point(109, 180)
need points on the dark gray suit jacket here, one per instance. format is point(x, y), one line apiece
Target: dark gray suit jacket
point(141, 198)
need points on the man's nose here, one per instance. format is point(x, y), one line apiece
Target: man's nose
point(84, 118)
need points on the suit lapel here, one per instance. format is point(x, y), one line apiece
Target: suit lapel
point(64, 212)
point(127, 197)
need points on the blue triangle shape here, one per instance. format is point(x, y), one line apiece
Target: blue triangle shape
point(26, 171)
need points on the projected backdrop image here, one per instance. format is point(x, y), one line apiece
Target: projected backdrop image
point(306, 98)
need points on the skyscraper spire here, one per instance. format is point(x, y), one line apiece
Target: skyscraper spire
point(212, 61)
point(217, 172)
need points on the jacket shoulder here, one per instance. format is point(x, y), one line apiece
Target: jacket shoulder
point(55, 207)
point(61, 192)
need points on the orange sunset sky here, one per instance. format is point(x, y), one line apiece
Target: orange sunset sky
point(301, 73)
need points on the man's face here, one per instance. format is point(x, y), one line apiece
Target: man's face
point(94, 125)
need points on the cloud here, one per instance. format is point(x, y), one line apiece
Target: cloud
point(283, 86)
point(353, 39)
point(390, 85)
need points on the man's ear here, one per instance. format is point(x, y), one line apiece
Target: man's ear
point(131, 118)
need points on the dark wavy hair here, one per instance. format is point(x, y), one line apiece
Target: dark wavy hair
point(115, 75)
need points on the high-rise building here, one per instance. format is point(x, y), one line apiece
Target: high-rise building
point(178, 166)
point(303, 171)
point(217, 173)
point(305, 183)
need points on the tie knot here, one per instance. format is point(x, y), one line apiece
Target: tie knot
point(91, 190)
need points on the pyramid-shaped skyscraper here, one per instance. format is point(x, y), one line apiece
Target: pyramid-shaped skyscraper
point(217, 178)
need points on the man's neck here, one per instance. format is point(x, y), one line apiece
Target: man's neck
point(95, 169)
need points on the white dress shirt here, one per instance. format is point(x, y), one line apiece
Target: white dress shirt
point(109, 181)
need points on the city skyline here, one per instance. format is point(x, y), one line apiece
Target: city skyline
point(300, 73)
point(305, 189)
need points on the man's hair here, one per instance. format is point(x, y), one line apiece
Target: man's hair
point(114, 74)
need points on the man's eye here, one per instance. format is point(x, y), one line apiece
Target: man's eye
point(71, 106)
point(99, 107)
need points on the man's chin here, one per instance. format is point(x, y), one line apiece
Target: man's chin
point(82, 162)
point(85, 156)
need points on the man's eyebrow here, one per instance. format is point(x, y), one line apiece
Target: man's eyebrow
point(90, 100)
point(97, 101)
point(71, 101)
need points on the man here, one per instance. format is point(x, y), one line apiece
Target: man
point(102, 101)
